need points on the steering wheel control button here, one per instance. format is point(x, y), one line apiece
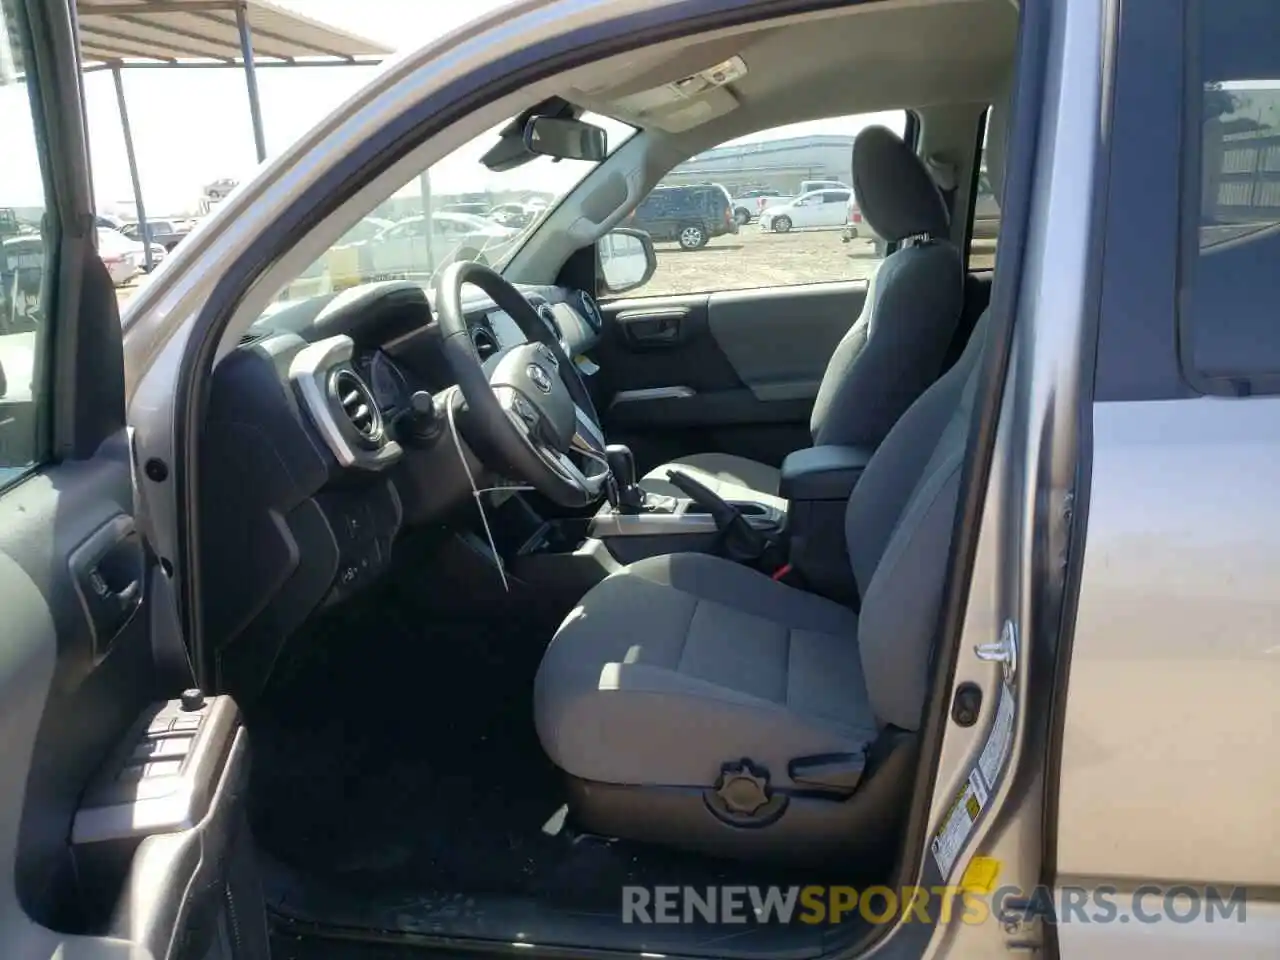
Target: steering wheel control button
point(546, 355)
point(524, 409)
point(192, 699)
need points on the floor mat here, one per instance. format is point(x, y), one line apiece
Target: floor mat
point(399, 748)
point(396, 763)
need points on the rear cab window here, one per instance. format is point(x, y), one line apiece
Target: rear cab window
point(984, 225)
point(1229, 263)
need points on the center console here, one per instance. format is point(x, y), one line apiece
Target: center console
point(635, 524)
point(676, 525)
point(566, 557)
point(816, 483)
point(569, 556)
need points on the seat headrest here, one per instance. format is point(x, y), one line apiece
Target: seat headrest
point(895, 193)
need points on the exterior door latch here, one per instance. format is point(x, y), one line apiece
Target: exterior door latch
point(1004, 651)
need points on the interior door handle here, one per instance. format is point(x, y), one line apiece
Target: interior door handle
point(109, 569)
point(652, 328)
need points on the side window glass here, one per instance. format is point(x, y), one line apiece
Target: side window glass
point(1230, 265)
point(703, 247)
point(28, 237)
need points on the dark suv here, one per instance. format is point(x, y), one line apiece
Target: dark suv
point(689, 216)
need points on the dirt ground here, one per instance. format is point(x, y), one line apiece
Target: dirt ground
point(752, 258)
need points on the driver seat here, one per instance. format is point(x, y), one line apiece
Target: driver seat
point(698, 703)
point(897, 345)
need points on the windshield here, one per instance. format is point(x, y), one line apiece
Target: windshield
point(457, 209)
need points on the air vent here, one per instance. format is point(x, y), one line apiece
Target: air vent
point(591, 311)
point(356, 402)
point(486, 343)
point(549, 318)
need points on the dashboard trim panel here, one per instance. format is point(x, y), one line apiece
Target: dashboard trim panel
point(311, 371)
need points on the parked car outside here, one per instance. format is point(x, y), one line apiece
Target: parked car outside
point(124, 258)
point(986, 218)
point(819, 208)
point(515, 215)
point(368, 228)
point(22, 257)
point(856, 228)
point(475, 209)
point(748, 204)
point(415, 247)
point(688, 215)
point(762, 199)
point(167, 233)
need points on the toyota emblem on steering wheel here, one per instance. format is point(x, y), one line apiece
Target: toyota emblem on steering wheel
point(541, 379)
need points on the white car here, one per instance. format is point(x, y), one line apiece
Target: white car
point(124, 258)
point(818, 208)
point(402, 251)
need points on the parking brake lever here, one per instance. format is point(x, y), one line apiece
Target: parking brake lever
point(740, 540)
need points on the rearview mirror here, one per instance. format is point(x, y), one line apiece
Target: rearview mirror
point(565, 139)
point(625, 260)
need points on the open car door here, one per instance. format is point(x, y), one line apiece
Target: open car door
point(120, 825)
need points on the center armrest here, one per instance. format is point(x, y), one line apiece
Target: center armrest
point(823, 473)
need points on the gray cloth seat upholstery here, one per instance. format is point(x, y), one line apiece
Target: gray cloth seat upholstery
point(677, 666)
point(897, 345)
point(733, 478)
point(703, 660)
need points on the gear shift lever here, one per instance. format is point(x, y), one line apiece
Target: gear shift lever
point(622, 464)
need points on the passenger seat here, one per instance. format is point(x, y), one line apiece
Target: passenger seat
point(895, 349)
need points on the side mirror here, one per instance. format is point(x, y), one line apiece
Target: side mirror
point(625, 260)
point(566, 139)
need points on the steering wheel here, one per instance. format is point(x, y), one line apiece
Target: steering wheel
point(532, 408)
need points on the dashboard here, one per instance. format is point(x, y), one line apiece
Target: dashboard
point(323, 440)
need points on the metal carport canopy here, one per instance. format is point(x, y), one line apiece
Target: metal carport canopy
point(121, 35)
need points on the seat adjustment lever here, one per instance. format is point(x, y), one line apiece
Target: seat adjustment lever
point(837, 772)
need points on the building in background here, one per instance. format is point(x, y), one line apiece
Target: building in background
point(772, 164)
point(1240, 160)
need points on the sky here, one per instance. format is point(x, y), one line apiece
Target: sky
point(191, 127)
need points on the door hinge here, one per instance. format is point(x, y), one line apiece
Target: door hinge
point(1004, 651)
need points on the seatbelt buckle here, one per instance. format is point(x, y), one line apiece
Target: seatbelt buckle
point(781, 573)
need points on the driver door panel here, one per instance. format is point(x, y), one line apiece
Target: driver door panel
point(89, 642)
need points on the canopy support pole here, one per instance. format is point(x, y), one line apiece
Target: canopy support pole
point(143, 232)
point(251, 80)
point(424, 186)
